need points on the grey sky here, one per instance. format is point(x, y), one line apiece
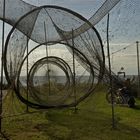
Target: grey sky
point(84, 7)
point(124, 27)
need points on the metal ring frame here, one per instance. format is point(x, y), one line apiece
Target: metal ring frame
point(76, 51)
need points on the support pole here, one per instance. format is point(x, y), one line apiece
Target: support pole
point(47, 58)
point(110, 76)
point(74, 74)
point(137, 45)
point(27, 107)
point(1, 93)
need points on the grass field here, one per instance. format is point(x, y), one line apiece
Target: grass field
point(92, 121)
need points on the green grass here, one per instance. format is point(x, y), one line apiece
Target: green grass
point(92, 121)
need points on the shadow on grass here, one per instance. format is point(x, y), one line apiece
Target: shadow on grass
point(86, 124)
point(137, 107)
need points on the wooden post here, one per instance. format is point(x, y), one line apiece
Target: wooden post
point(74, 88)
point(137, 45)
point(110, 76)
point(1, 93)
point(47, 59)
point(27, 107)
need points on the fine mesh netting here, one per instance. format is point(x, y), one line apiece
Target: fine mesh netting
point(123, 34)
point(40, 29)
point(12, 16)
point(49, 26)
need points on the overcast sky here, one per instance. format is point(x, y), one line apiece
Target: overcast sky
point(84, 7)
point(124, 27)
